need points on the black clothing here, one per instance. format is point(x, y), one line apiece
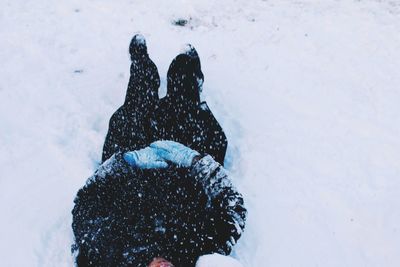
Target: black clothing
point(182, 117)
point(130, 126)
point(126, 217)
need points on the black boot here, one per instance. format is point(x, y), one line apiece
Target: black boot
point(130, 126)
point(184, 117)
point(138, 47)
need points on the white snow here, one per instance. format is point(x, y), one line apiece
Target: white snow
point(186, 49)
point(307, 92)
point(217, 260)
point(140, 39)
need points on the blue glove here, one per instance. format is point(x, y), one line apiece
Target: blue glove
point(145, 158)
point(175, 152)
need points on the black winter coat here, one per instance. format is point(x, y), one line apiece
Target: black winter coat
point(126, 217)
point(182, 117)
point(130, 126)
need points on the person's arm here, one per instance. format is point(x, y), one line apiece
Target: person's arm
point(95, 201)
point(225, 204)
point(92, 218)
point(91, 201)
point(225, 213)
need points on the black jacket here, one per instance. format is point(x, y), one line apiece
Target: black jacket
point(182, 117)
point(130, 126)
point(126, 217)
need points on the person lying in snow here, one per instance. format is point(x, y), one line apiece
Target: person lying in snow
point(161, 205)
point(180, 117)
point(130, 126)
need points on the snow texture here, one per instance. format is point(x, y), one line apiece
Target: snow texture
point(217, 260)
point(140, 39)
point(306, 91)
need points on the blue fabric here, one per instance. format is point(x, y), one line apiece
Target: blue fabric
point(146, 158)
point(159, 154)
point(174, 152)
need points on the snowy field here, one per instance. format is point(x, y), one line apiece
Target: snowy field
point(308, 93)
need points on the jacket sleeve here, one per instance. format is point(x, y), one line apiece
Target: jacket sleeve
point(225, 207)
point(91, 213)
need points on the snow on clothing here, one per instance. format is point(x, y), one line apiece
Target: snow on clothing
point(182, 117)
point(126, 217)
point(130, 126)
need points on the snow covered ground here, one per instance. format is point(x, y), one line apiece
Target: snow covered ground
point(307, 92)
